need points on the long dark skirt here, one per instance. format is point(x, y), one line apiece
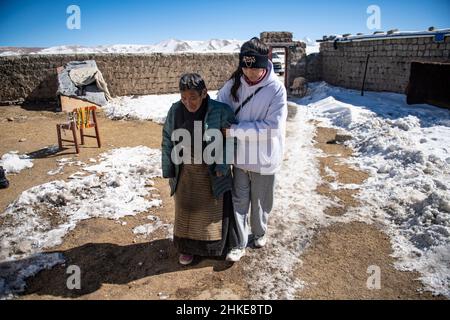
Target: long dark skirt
point(217, 247)
point(197, 221)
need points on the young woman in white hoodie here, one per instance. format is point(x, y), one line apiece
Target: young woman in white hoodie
point(259, 101)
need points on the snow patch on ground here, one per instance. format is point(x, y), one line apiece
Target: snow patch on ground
point(148, 228)
point(12, 162)
point(406, 150)
point(149, 107)
point(118, 185)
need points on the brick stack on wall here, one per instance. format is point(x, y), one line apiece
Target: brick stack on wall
point(308, 67)
point(276, 36)
point(389, 63)
point(33, 77)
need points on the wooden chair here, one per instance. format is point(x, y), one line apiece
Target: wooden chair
point(72, 106)
point(79, 119)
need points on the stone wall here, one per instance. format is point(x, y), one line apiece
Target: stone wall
point(296, 57)
point(389, 63)
point(33, 77)
point(308, 67)
point(313, 68)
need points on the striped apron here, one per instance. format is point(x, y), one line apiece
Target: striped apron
point(198, 214)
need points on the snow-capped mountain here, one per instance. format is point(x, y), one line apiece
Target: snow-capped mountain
point(311, 45)
point(167, 46)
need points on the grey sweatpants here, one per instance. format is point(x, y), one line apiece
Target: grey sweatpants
point(251, 188)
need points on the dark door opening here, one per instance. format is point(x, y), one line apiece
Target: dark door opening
point(429, 82)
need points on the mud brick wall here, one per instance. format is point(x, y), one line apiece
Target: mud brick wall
point(296, 60)
point(33, 77)
point(313, 67)
point(389, 63)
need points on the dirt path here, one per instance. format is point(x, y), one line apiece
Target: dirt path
point(117, 264)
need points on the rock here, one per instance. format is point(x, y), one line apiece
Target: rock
point(22, 140)
point(163, 295)
point(299, 87)
point(10, 119)
point(342, 137)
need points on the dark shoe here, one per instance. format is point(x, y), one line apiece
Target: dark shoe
point(4, 183)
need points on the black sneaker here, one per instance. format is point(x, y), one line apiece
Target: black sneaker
point(4, 183)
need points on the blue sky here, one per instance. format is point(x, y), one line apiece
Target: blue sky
point(43, 23)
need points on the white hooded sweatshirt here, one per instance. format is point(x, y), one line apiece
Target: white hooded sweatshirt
point(261, 127)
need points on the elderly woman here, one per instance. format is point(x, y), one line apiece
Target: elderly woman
point(204, 218)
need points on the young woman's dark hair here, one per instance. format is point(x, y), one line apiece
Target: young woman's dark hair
point(192, 81)
point(253, 46)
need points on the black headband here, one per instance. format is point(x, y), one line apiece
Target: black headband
point(252, 60)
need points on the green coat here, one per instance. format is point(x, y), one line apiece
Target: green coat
point(218, 115)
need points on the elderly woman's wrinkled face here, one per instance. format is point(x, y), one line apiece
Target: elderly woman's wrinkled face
point(253, 74)
point(192, 99)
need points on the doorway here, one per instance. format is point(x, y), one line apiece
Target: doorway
point(278, 56)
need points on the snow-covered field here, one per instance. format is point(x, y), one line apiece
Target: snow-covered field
point(406, 150)
point(292, 230)
point(120, 184)
point(151, 107)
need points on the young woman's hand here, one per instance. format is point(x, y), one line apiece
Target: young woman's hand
point(226, 132)
point(219, 174)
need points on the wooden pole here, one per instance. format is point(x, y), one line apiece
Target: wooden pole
point(365, 73)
